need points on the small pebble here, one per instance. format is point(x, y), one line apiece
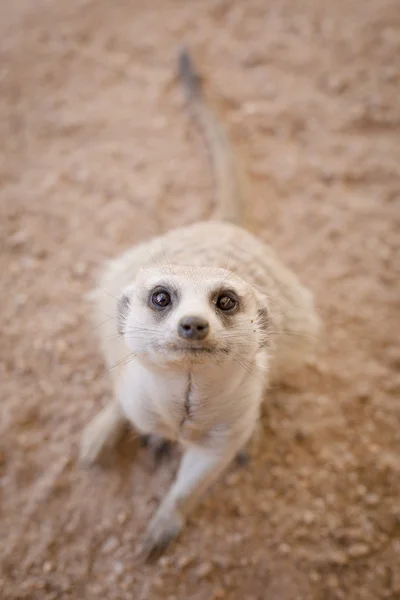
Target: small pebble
point(337, 557)
point(300, 436)
point(223, 562)
point(232, 479)
point(326, 175)
point(61, 346)
point(19, 239)
point(122, 517)
point(337, 84)
point(363, 393)
point(372, 499)
point(80, 269)
point(361, 490)
point(358, 550)
point(20, 299)
point(110, 545)
point(158, 583)
point(240, 509)
point(265, 507)
point(284, 549)
point(308, 517)
point(332, 581)
point(40, 253)
point(164, 561)
point(47, 566)
point(236, 538)
point(184, 561)
point(118, 567)
point(204, 570)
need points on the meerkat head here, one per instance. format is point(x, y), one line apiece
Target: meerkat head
point(192, 313)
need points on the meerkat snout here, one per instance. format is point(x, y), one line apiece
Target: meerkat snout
point(193, 328)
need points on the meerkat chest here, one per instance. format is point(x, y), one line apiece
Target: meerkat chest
point(184, 410)
point(178, 406)
point(148, 402)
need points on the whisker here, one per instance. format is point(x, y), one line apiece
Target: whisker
point(254, 365)
point(108, 293)
point(234, 270)
point(124, 361)
point(249, 367)
point(139, 328)
point(166, 259)
point(107, 315)
point(113, 336)
point(238, 332)
point(283, 312)
point(229, 257)
point(158, 265)
point(294, 333)
point(102, 323)
point(139, 335)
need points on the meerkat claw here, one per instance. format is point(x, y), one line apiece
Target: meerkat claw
point(163, 529)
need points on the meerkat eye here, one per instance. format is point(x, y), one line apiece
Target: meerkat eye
point(226, 302)
point(160, 299)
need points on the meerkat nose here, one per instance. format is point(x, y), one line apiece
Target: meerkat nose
point(193, 328)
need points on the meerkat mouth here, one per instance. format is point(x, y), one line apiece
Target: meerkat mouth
point(195, 349)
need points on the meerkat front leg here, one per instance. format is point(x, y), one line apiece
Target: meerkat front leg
point(103, 432)
point(199, 468)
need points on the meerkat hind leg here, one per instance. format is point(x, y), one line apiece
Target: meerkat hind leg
point(103, 433)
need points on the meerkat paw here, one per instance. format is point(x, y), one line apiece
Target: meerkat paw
point(101, 435)
point(162, 530)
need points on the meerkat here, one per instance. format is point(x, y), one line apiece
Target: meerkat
point(200, 322)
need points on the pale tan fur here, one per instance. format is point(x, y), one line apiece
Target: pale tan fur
point(225, 393)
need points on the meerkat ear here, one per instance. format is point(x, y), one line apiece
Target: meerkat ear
point(123, 307)
point(262, 310)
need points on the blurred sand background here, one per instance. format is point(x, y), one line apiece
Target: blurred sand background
point(97, 152)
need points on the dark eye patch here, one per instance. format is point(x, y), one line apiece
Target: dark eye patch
point(162, 298)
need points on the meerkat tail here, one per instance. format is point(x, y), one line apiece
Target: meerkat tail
point(229, 179)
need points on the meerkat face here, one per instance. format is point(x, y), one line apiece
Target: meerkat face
point(195, 313)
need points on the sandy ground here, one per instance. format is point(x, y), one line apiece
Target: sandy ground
point(97, 153)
